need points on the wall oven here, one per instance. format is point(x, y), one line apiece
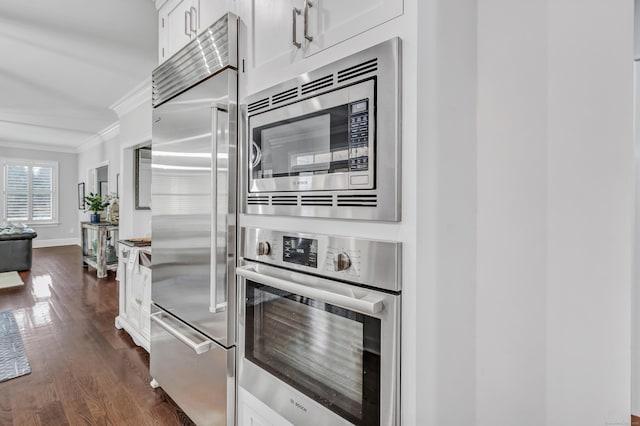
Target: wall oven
point(319, 333)
point(327, 143)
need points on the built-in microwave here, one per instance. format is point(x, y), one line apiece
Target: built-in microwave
point(327, 143)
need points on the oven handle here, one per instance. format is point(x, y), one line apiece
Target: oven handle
point(198, 348)
point(369, 304)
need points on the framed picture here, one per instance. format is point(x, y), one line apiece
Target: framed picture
point(104, 189)
point(81, 196)
point(143, 178)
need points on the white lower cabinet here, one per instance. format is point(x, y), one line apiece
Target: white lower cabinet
point(134, 274)
point(253, 412)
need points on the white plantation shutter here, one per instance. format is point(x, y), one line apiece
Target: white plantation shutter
point(30, 191)
point(42, 193)
point(17, 192)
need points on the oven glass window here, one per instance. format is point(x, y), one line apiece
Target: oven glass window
point(316, 143)
point(329, 353)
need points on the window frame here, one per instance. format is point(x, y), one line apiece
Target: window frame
point(30, 164)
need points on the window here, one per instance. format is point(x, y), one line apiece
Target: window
point(30, 191)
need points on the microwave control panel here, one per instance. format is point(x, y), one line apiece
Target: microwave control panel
point(359, 135)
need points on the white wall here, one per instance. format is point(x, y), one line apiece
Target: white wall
point(135, 130)
point(95, 155)
point(512, 219)
point(590, 207)
point(66, 232)
point(542, 296)
point(445, 314)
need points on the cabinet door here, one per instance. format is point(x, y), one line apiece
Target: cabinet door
point(145, 309)
point(209, 11)
point(253, 412)
point(249, 418)
point(175, 26)
point(133, 302)
point(123, 256)
point(272, 34)
point(339, 20)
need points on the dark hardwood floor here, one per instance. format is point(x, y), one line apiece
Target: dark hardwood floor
point(83, 370)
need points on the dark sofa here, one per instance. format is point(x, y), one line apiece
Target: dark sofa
point(15, 249)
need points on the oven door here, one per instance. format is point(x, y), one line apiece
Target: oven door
point(317, 144)
point(318, 351)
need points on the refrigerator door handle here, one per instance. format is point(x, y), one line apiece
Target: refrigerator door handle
point(214, 305)
point(198, 348)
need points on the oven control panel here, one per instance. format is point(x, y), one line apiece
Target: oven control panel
point(362, 261)
point(300, 251)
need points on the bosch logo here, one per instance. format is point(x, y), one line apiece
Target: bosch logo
point(298, 405)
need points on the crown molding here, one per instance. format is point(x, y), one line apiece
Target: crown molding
point(39, 147)
point(133, 99)
point(104, 135)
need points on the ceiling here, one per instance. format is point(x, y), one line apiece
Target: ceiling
point(63, 63)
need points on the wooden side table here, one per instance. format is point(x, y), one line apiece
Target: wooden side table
point(97, 258)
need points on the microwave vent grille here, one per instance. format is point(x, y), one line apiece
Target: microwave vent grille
point(316, 200)
point(254, 106)
point(318, 84)
point(358, 70)
point(364, 68)
point(284, 96)
point(258, 200)
point(365, 200)
point(284, 200)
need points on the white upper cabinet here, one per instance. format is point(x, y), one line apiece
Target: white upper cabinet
point(174, 27)
point(273, 33)
point(209, 11)
point(179, 21)
point(283, 32)
point(338, 20)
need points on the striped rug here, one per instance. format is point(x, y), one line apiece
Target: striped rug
point(13, 359)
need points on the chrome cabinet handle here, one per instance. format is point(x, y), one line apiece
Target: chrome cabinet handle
point(187, 23)
point(295, 12)
point(193, 22)
point(307, 5)
point(369, 304)
point(198, 348)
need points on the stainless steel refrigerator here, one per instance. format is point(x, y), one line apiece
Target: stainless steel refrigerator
point(193, 329)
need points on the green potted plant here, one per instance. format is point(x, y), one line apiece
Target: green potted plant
point(95, 203)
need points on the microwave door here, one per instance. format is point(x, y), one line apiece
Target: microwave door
point(193, 197)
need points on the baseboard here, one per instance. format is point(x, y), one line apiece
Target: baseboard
point(38, 243)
